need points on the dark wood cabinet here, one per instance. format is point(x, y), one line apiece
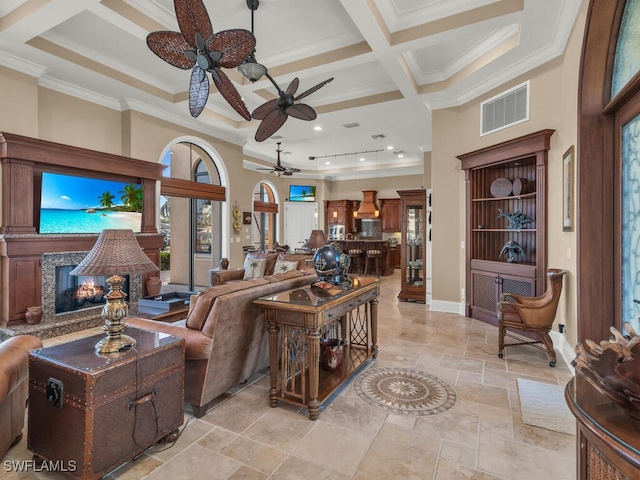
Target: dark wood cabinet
point(390, 214)
point(608, 439)
point(503, 181)
point(340, 212)
point(413, 254)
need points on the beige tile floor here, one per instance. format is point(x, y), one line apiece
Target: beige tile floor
point(482, 437)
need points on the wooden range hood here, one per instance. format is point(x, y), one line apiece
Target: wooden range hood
point(368, 208)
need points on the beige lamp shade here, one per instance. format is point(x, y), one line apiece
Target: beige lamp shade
point(316, 240)
point(115, 252)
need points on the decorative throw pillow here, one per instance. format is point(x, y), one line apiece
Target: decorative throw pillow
point(254, 267)
point(283, 266)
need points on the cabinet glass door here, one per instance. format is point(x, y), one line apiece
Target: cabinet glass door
point(415, 245)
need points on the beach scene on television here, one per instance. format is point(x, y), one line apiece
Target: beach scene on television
point(71, 204)
point(302, 193)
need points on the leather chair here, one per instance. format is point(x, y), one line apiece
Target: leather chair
point(14, 387)
point(530, 317)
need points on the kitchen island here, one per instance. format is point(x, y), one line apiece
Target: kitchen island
point(388, 251)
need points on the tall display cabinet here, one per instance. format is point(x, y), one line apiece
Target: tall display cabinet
point(506, 222)
point(414, 244)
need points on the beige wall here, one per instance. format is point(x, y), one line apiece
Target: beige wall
point(553, 101)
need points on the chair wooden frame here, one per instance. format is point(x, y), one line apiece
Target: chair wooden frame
point(530, 315)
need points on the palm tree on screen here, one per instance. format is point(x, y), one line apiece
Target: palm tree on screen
point(106, 199)
point(132, 197)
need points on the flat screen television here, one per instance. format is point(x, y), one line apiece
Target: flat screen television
point(302, 193)
point(73, 204)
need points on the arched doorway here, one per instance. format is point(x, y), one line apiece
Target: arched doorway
point(191, 215)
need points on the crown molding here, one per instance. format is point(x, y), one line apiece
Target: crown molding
point(21, 65)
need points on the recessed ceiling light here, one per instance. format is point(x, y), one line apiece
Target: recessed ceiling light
point(390, 147)
point(400, 155)
point(327, 163)
point(317, 128)
point(362, 159)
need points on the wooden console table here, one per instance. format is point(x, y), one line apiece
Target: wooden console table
point(608, 439)
point(298, 319)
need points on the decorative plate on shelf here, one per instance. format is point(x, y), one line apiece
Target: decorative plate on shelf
point(501, 187)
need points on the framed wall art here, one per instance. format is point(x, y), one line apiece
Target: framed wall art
point(568, 161)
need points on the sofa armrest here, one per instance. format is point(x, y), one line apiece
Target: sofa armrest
point(196, 344)
point(222, 276)
point(14, 362)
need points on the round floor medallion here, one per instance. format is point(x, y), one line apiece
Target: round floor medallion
point(405, 391)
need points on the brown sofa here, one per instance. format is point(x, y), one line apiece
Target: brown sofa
point(226, 339)
point(220, 277)
point(14, 387)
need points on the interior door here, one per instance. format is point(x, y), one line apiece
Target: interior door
point(300, 218)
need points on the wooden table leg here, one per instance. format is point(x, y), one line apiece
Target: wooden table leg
point(374, 326)
point(273, 330)
point(313, 340)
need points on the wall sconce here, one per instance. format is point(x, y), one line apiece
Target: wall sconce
point(355, 214)
point(335, 214)
point(377, 213)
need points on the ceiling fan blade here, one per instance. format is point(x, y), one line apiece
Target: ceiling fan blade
point(301, 111)
point(293, 86)
point(170, 47)
point(313, 89)
point(270, 125)
point(293, 169)
point(230, 94)
point(267, 169)
point(236, 45)
point(288, 173)
point(198, 91)
point(265, 109)
point(193, 18)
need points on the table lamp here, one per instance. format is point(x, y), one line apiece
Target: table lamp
point(316, 240)
point(115, 252)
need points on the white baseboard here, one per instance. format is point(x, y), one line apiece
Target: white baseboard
point(446, 306)
point(561, 344)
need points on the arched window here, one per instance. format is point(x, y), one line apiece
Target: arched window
point(190, 215)
point(265, 209)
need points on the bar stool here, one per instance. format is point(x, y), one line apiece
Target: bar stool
point(357, 255)
point(373, 256)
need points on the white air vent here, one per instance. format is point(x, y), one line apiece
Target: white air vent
point(508, 108)
point(351, 125)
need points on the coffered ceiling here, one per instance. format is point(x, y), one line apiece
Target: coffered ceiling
point(393, 63)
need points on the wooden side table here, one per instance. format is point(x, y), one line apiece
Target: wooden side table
point(298, 319)
point(92, 413)
point(608, 439)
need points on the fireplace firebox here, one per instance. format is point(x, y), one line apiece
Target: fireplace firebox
point(78, 292)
